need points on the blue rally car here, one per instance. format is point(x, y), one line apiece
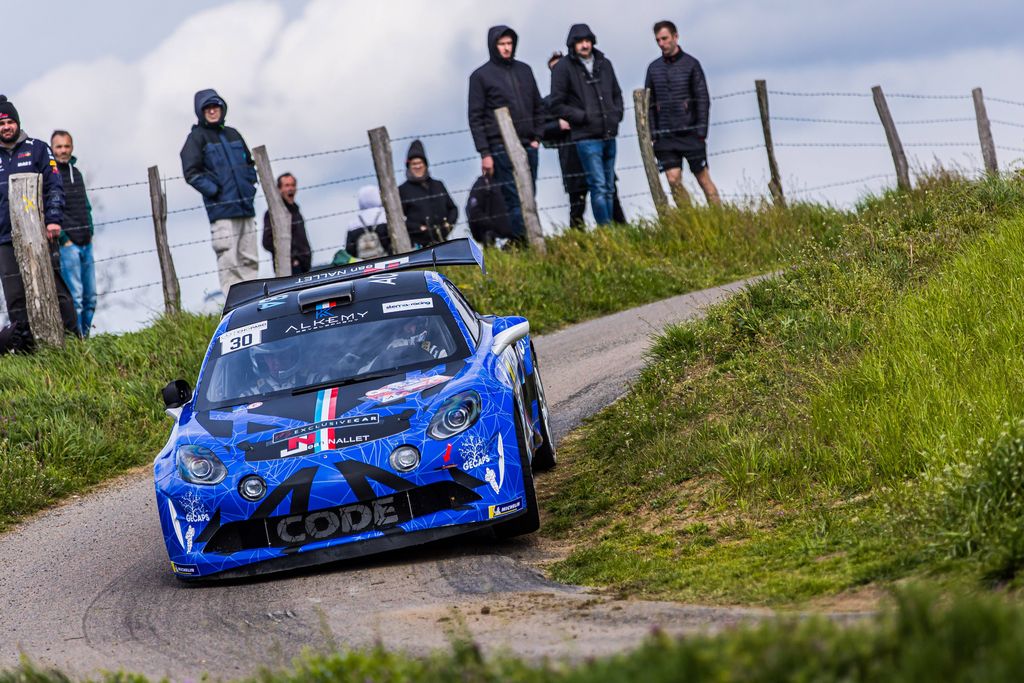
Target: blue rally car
point(351, 411)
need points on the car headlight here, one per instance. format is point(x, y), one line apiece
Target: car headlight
point(456, 415)
point(199, 465)
point(405, 458)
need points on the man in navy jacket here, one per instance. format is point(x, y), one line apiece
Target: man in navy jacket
point(216, 162)
point(21, 154)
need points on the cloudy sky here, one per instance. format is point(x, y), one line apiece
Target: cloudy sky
point(311, 76)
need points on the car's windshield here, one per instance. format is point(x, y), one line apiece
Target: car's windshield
point(330, 344)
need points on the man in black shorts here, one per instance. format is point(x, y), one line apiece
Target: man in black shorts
point(679, 114)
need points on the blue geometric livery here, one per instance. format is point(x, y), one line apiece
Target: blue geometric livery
point(351, 411)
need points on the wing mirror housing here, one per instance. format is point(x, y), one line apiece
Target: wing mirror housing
point(507, 331)
point(176, 394)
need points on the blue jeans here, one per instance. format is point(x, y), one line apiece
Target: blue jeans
point(598, 159)
point(79, 271)
point(506, 180)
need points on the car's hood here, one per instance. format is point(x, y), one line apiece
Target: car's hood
point(328, 419)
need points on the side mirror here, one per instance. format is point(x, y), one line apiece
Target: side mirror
point(507, 331)
point(177, 393)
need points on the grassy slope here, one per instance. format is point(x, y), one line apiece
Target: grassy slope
point(970, 640)
point(821, 431)
point(69, 420)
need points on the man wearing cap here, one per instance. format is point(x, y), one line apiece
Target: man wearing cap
point(430, 213)
point(504, 81)
point(216, 162)
point(586, 93)
point(21, 154)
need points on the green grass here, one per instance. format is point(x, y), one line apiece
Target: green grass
point(915, 640)
point(71, 419)
point(802, 440)
point(588, 274)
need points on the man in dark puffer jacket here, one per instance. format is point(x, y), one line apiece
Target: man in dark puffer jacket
point(679, 110)
point(430, 213)
point(216, 162)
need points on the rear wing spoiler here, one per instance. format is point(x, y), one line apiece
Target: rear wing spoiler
point(460, 252)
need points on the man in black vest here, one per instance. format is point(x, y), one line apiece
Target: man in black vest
point(678, 114)
point(586, 94)
point(76, 259)
point(302, 255)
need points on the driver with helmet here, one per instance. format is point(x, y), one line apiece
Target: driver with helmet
point(277, 366)
point(415, 332)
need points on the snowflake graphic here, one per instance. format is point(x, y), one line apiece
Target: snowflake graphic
point(195, 510)
point(474, 452)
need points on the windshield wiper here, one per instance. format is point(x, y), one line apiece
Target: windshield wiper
point(366, 377)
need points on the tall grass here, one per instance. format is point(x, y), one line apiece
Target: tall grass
point(773, 444)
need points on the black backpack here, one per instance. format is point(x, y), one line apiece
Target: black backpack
point(486, 213)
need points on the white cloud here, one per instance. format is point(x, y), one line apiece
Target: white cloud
point(320, 78)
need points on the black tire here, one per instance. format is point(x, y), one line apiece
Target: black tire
point(544, 457)
point(529, 521)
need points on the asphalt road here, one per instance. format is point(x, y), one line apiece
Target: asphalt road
point(86, 586)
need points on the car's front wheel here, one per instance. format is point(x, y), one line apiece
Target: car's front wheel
point(544, 457)
point(530, 521)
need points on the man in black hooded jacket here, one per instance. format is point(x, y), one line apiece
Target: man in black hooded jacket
point(586, 93)
point(430, 213)
point(505, 82)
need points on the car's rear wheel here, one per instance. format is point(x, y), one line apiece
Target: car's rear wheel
point(530, 521)
point(544, 457)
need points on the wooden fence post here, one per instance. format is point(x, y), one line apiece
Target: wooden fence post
point(32, 250)
point(380, 148)
point(775, 184)
point(158, 200)
point(524, 179)
point(988, 146)
point(641, 104)
point(280, 216)
point(899, 158)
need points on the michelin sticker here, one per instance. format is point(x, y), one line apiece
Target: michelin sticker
point(242, 338)
point(503, 509)
point(407, 305)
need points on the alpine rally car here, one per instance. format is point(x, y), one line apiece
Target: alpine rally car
point(351, 411)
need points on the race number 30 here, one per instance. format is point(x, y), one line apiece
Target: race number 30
point(241, 338)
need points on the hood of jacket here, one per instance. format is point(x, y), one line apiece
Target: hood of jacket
point(209, 96)
point(371, 210)
point(578, 32)
point(495, 32)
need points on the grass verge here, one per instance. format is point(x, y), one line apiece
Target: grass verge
point(851, 421)
point(916, 640)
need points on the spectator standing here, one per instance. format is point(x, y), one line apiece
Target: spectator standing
point(679, 114)
point(76, 259)
point(505, 82)
point(217, 163)
point(430, 214)
point(21, 154)
point(486, 213)
point(368, 235)
point(586, 94)
point(302, 255)
point(574, 180)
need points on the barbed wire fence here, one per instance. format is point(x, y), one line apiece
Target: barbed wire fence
point(116, 290)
